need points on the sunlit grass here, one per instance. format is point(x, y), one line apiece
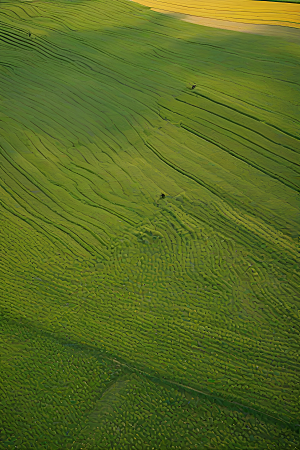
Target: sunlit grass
point(121, 295)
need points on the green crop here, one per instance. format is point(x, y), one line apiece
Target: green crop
point(131, 319)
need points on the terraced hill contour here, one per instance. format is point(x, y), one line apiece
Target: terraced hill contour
point(109, 290)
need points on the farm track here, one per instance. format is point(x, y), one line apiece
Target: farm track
point(97, 119)
point(276, 12)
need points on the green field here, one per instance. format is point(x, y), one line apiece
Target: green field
point(131, 321)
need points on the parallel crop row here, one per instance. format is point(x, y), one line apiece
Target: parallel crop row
point(197, 287)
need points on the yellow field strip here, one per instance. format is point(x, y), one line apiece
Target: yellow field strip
point(242, 11)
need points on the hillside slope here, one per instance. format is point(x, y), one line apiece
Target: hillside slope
point(200, 288)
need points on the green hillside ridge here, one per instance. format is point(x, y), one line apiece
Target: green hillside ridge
point(129, 320)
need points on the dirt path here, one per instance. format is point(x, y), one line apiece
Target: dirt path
point(291, 34)
point(250, 408)
point(243, 11)
point(247, 16)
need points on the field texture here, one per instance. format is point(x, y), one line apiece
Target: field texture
point(129, 320)
point(273, 12)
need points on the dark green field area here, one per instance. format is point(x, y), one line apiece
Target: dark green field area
point(129, 320)
point(59, 394)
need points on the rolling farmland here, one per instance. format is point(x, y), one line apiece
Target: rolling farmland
point(266, 12)
point(131, 319)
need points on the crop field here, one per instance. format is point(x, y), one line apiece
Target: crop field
point(132, 320)
point(267, 12)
